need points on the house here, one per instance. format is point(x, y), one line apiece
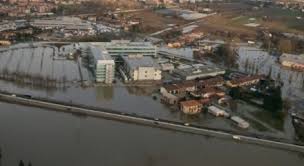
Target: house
point(212, 82)
point(217, 111)
point(208, 92)
point(191, 107)
point(170, 99)
point(172, 93)
point(244, 81)
point(177, 88)
point(205, 102)
point(211, 92)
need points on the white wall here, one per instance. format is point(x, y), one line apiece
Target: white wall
point(146, 73)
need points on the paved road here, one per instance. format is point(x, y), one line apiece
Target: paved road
point(133, 118)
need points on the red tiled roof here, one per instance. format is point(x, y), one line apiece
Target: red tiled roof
point(212, 81)
point(190, 103)
point(246, 79)
point(182, 85)
point(204, 101)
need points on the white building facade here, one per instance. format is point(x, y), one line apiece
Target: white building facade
point(104, 66)
point(141, 68)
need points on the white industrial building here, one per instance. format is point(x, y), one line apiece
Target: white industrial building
point(126, 47)
point(104, 65)
point(140, 68)
point(118, 48)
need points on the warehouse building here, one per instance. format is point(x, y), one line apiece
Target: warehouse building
point(126, 47)
point(140, 68)
point(196, 72)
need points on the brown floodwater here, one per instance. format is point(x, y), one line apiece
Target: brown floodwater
point(51, 138)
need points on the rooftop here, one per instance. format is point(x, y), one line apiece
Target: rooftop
point(144, 61)
point(215, 109)
point(182, 85)
point(197, 70)
point(99, 54)
point(292, 58)
point(121, 43)
point(204, 101)
point(246, 79)
point(212, 81)
point(190, 103)
point(211, 90)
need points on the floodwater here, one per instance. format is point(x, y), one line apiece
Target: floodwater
point(51, 138)
point(139, 100)
point(127, 99)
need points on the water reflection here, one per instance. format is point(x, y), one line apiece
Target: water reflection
point(141, 90)
point(104, 93)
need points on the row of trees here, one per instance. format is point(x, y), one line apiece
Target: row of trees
point(272, 99)
point(281, 43)
point(226, 54)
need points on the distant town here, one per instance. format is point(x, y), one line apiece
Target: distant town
point(237, 63)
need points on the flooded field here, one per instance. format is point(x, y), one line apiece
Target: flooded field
point(45, 65)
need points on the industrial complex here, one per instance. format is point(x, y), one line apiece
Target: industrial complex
point(73, 62)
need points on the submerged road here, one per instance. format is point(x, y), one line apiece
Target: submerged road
point(142, 120)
